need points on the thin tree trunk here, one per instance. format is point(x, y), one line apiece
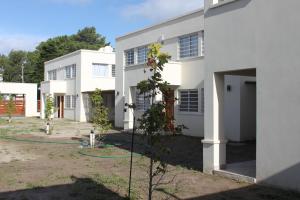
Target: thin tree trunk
point(150, 178)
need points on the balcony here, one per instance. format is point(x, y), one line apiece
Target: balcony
point(171, 74)
point(54, 86)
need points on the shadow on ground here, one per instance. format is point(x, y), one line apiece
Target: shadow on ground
point(253, 192)
point(186, 151)
point(82, 188)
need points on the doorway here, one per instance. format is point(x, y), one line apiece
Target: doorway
point(60, 106)
point(169, 99)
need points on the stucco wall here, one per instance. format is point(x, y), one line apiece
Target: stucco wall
point(182, 74)
point(262, 35)
point(30, 92)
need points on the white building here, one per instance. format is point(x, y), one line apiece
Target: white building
point(182, 38)
point(25, 98)
point(258, 38)
point(70, 79)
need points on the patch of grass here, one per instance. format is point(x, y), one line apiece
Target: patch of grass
point(115, 182)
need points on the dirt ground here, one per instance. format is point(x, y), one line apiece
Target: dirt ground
point(57, 168)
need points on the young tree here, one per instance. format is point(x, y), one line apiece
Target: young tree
point(49, 110)
point(155, 121)
point(10, 108)
point(100, 117)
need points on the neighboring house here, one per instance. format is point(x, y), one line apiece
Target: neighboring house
point(182, 38)
point(71, 78)
point(24, 97)
point(258, 38)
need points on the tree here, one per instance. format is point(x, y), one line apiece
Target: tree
point(154, 121)
point(49, 108)
point(10, 108)
point(99, 112)
point(87, 38)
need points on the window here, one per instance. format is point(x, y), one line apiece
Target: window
point(113, 70)
point(70, 101)
point(73, 101)
point(52, 75)
point(100, 70)
point(73, 69)
point(188, 46)
point(188, 101)
point(202, 101)
point(142, 101)
point(142, 54)
point(202, 44)
point(70, 71)
point(129, 57)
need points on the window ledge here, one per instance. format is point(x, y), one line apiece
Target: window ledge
point(190, 113)
point(221, 3)
point(189, 58)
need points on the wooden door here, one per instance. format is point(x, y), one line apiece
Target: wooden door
point(169, 99)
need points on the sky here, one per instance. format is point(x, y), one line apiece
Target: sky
point(25, 23)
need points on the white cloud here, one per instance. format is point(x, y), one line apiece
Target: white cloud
point(156, 10)
point(18, 42)
point(80, 2)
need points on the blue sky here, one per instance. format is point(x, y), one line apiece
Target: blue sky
point(27, 22)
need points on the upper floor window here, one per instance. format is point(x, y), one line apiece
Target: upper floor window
point(113, 70)
point(100, 70)
point(52, 75)
point(202, 44)
point(188, 46)
point(70, 71)
point(142, 54)
point(129, 57)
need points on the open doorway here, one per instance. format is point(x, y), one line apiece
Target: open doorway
point(238, 122)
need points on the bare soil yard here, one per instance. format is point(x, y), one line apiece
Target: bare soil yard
point(53, 171)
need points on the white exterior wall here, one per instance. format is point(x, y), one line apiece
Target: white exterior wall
point(180, 73)
point(239, 108)
point(30, 92)
point(263, 35)
point(84, 81)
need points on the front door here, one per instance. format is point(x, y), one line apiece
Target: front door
point(60, 106)
point(169, 100)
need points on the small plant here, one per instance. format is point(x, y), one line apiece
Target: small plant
point(10, 108)
point(49, 110)
point(100, 117)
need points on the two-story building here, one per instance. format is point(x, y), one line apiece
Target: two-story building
point(182, 38)
point(71, 78)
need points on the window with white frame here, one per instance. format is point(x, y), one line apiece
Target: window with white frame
point(142, 54)
point(113, 70)
point(129, 57)
point(52, 75)
point(189, 100)
point(73, 101)
point(188, 46)
point(202, 100)
point(202, 44)
point(142, 101)
point(70, 101)
point(70, 71)
point(100, 70)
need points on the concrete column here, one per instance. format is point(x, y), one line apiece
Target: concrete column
point(214, 143)
point(128, 115)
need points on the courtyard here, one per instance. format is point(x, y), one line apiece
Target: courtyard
point(59, 166)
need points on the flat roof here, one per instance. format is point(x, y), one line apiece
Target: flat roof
point(160, 23)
